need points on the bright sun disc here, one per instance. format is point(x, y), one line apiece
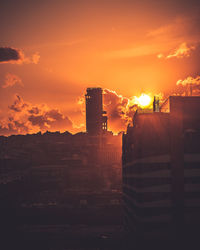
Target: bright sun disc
point(144, 100)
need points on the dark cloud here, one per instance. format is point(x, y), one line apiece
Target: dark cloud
point(16, 56)
point(50, 120)
point(39, 120)
point(18, 104)
point(12, 126)
point(34, 110)
point(9, 54)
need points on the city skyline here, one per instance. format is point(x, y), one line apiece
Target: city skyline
point(61, 48)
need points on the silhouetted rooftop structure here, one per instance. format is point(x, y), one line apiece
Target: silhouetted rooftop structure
point(161, 170)
point(96, 121)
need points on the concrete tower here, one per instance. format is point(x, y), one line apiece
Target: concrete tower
point(96, 122)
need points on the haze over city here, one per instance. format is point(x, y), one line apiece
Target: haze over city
point(51, 51)
point(99, 124)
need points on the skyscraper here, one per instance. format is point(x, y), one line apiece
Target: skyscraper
point(96, 121)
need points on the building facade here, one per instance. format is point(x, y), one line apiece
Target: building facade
point(96, 121)
point(161, 170)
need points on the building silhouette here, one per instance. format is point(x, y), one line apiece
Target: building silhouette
point(96, 121)
point(161, 170)
point(62, 168)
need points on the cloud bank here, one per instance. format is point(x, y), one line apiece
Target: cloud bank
point(25, 117)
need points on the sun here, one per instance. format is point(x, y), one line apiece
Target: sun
point(144, 100)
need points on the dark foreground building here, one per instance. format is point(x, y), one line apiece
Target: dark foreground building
point(62, 191)
point(161, 170)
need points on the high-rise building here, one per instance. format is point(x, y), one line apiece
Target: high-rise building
point(161, 170)
point(96, 121)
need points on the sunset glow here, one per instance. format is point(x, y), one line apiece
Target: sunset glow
point(144, 100)
point(59, 48)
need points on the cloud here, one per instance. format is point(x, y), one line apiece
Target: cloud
point(31, 59)
point(34, 110)
point(189, 86)
point(182, 34)
point(11, 80)
point(9, 54)
point(135, 51)
point(189, 80)
point(18, 105)
point(177, 28)
point(181, 28)
point(117, 108)
point(51, 120)
point(160, 56)
point(25, 117)
point(35, 58)
point(12, 127)
point(17, 56)
point(179, 33)
point(182, 51)
point(120, 109)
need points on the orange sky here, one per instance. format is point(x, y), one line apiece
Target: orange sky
point(126, 46)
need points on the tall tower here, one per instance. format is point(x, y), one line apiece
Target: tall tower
point(96, 122)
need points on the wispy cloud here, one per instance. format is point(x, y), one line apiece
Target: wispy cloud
point(135, 51)
point(181, 37)
point(182, 51)
point(35, 58)
point(11, 80)
point(175, 40)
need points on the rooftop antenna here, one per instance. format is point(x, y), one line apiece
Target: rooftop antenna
point(156, 107)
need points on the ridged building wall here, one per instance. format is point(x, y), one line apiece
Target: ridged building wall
point(161, 171)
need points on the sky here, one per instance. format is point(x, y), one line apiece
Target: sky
point(51, 51)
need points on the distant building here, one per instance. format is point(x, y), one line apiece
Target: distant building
point(161, 170)
point(59, 166)
point(96, 121)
